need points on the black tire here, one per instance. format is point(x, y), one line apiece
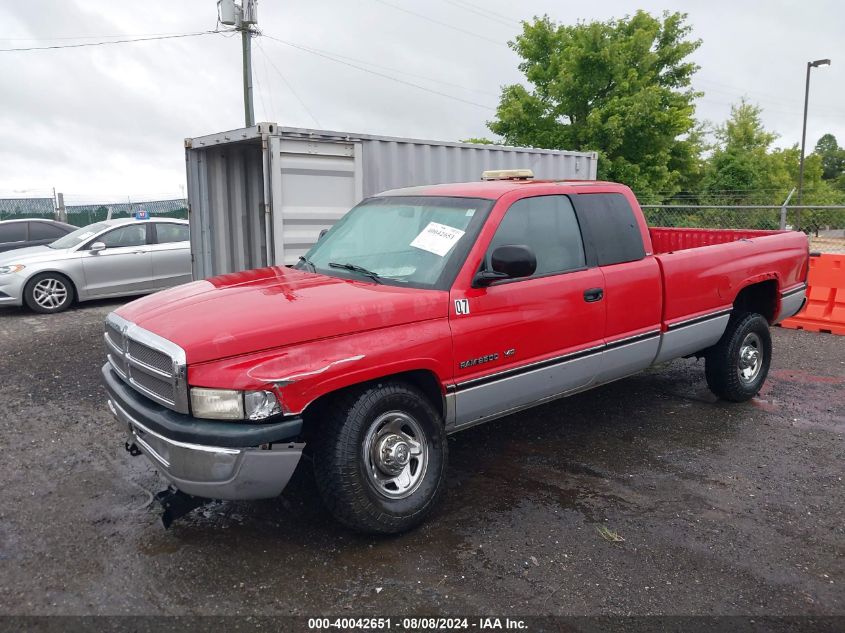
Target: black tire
point(346, 425)
point(730, 375)
point(61, 299)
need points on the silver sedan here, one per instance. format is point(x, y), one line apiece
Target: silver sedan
point(106, 259)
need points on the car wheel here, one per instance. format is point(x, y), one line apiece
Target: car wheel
point(737, 366)
point(49, 292)
point(380, 458)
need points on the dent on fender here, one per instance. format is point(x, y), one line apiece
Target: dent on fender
point(263, 372)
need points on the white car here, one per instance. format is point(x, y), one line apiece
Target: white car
point(105, 259)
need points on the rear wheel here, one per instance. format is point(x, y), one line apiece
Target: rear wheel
point(380, 457)
point(49, 292)
point(737, 366)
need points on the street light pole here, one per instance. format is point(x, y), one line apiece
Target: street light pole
point(810, 66)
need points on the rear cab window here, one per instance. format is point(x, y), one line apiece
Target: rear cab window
point(611, 230)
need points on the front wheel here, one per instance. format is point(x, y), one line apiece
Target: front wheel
point(48, 293)
point(737, 366)
point(380, 457)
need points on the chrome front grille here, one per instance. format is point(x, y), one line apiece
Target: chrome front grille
point(150, 356)
point(152, 365)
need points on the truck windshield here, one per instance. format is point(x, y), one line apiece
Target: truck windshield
point(416, 241)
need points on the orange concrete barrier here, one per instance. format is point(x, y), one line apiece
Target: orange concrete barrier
point(825, 307)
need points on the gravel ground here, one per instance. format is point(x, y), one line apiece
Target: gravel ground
point(646, 496)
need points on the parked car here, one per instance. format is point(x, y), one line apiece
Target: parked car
point(30, 232)
point(105, 259)
point(425, 311)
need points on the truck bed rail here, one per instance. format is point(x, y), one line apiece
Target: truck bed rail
point(667, 240)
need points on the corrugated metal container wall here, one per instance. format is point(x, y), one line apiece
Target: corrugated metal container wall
point(226, 201)
point(394, 163)
point(263, 194)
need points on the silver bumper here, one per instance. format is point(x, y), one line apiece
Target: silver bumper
point(11, 289)
point(214, 472)
point(791, 303)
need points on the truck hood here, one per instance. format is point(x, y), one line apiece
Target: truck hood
point(273, 307)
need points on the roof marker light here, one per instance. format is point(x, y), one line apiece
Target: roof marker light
point(507, 174)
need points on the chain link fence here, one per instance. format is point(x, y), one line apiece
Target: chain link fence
point(824, 224)
point(82, 214)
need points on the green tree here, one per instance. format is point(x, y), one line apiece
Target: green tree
point(832, 156)
point(741, 169)
point(620, 87)
point(478, 141)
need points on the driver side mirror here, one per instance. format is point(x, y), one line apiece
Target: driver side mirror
point(510, 261)
point(96, 247)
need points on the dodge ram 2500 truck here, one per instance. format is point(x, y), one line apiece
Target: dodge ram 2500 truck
point(425, 311)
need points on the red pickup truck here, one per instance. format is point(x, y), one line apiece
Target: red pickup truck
point(425, 311)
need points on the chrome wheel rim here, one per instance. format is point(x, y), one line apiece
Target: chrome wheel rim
point(750, 358)
point(395, 454)
point(49, 293)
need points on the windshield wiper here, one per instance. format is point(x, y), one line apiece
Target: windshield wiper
point(308, 262)
point(357, 269)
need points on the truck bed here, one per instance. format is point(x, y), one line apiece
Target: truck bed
point(704, 269)
point(667, 240)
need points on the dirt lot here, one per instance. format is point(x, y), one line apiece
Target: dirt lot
point(724, 509)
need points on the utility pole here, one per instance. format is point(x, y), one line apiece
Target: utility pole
point(243, 17)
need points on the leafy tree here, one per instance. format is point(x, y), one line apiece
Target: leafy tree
point(741, 169)
point(478, 141)
point(833, 157)
point(620, 87)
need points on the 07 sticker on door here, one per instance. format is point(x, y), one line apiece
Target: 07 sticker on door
point(461, 306)
point(437, 238)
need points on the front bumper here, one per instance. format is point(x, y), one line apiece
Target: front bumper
point(215, 460)
point(11, 289)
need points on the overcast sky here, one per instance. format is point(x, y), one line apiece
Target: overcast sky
point(107, 122)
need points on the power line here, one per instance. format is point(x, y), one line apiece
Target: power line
point(378, 74)
point(108, 42)
point(487, 10)
point(290, 86)
point(444, 24)
point(80, 37)
point(260, 90)
point(483, 13)
point(779, 101)
point(402, 71)
point(269, 85)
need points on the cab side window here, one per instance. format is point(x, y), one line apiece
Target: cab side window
point(130, 235)
point(548, 226)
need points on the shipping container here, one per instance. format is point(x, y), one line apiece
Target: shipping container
point(261, 195)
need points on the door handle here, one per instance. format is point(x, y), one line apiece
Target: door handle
point(593, 294)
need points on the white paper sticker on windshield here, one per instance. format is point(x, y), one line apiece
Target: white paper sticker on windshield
point(85, 235)
point(437, 238)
